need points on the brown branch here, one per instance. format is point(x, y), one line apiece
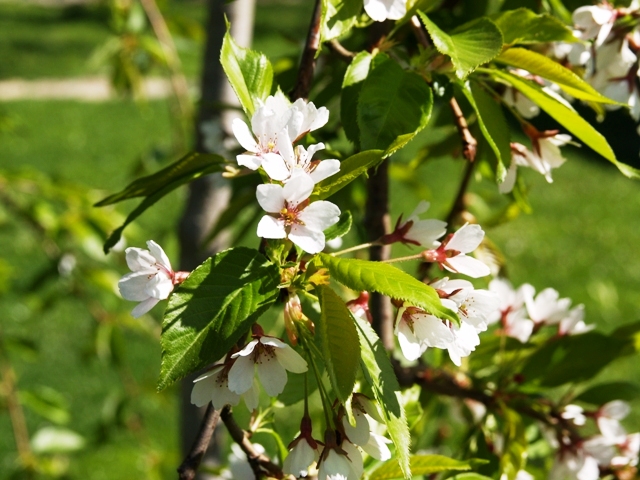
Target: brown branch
point(419, 33)
point(343, 53)
point(189, 467)
point(469, 142)
point(377, 223)
point(308, 61)
point(459, 205)
point(260, 463)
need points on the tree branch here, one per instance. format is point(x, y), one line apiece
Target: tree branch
point(189, 467)
point(260, 463)
point(458, 204)
point(469, 142)
point(308, 61)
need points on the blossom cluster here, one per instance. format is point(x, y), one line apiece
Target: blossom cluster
point(612, 448)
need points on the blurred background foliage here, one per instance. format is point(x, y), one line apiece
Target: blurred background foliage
point(78, 391)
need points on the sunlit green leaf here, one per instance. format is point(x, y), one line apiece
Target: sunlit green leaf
point(423, 465)
point(362, 275)
point(338, 17)
point(526, 27)
point(249, 72)
point(470, 46)
point(340, 345)
point(213, 308)
point(393, 106)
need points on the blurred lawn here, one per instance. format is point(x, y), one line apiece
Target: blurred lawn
point(582, 238)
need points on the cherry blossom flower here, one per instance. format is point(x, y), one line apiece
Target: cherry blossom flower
point(511, 312)
point(577, 465)
point(213, 386)
point(361, 434)
point(594, 22)
point(465, 341)
point(303, 451)
point(340, 463)
point(424, 233)
point(381, 10)
point(292, 161)
point(452, 253)
point(291, 216)
point(151, 278)
point(305, 118)
point(474, 306)
point(573, 323)
point(547, 307)
point(575, 413)
point(544, 157)
point(608, 418)
point(521, 103)
point(417, 330)
point(271, 358)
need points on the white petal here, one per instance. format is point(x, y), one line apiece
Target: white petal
point(252, 396)
point(291, 360)
point(158, 253)
point(466, 239)
point(201, 392)
point(409, 344)
point(376, 10)
point(270, 197)
point(300, 459)
point(355, 458)
point(270, 227)
point(377, 447)
point(285, 148)
point(611, 428)
point(144, 307)
point(311, 241)
point(247, 349)
point(252, 162)
point(469, 266)
point(273, 376)
point(241, 375)
point(334, 467)
point(320, 215)
point(426, 232)
point(139, 259)
point(432, 331)
point(325, 169)
point(159, 286)
point(360, 433)
point(275, 166)
point(509, 180)
point(244, 136)
point(616, 409)
point(132, 286)
point(297, 189)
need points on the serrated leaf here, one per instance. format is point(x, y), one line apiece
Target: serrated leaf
point(526, 27)
point(606, 392)
point(213, 308)
point(492, 124)
point(339, 342)
point(379, 374)
point(361, 275)
point(422, 465)
point(566, 116)
point(338, 17)
point(393, 106)
point(351, 86)
point(156, 186)
point(547, 68)
point(350, 169)
point(471, 46)
point(341, 228)
point(249, 72)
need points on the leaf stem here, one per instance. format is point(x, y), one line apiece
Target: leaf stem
point(417, 256)
point(356, 248)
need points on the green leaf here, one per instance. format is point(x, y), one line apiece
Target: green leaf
point(393, 106)
point(339, 339)
point(526, 27)
point(606, 392)
point(350, 169)
point(422, 465)
point(547, 68)
point(566, 116)
point(156, 186)
point(213, 308)
point(187, 168)
point(341, 228)
point(492, 124)
point(48, 403)
point(469, 476)
point(338, 17)
point(351, 86)
point(249, 72)
point(379, 374)
point(470, 46)
point(361, 275)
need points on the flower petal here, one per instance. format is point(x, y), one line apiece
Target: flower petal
point(272, 375)
point(159, 286)
point(252, 162)
point(320, 215)
point(270, 197)
point(252, 396)
point(358, 434)
point(144, 307)
point(325, 169)
point(297, 189)
point(409, 343)
point(158, 253)
point(466, 265)
point(132, 286)
point(275, 166)
point(466, 239)
point(244, 136)
point(291, 360)
point(377, 448)
point(270, 227)
point(241, 375)
point(139, 259)
point(310, 241)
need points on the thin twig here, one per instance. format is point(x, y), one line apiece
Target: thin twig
point(469, 142)
point(341, 51)
point(260, 463)
point(421, 36)
point(189, 467)
point(308, 61)
point(458, 204)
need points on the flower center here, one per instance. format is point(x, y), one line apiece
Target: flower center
point(290, 216)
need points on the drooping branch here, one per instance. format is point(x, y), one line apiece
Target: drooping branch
point(260, 463)
point(308, 61)
point(189, 467)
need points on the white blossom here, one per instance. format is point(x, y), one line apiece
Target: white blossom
point(547, 307)
point(608, 418)
point(290, 162)
point(381, 10)
point(151, 278)
point(474, 306)
point(335, 465)
point(452, 253)
point(377, 447)
point(305, 118)
point(213, 386)
point(290, 215)
point(573, 323)
point(422, 232)
point(511, 312)
point(521, 103)
point(300, 458)
point(418, 330)
point(574, 466)
point(271, 359)
point(594, 22)
point(465, 341)
point(575, 413)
